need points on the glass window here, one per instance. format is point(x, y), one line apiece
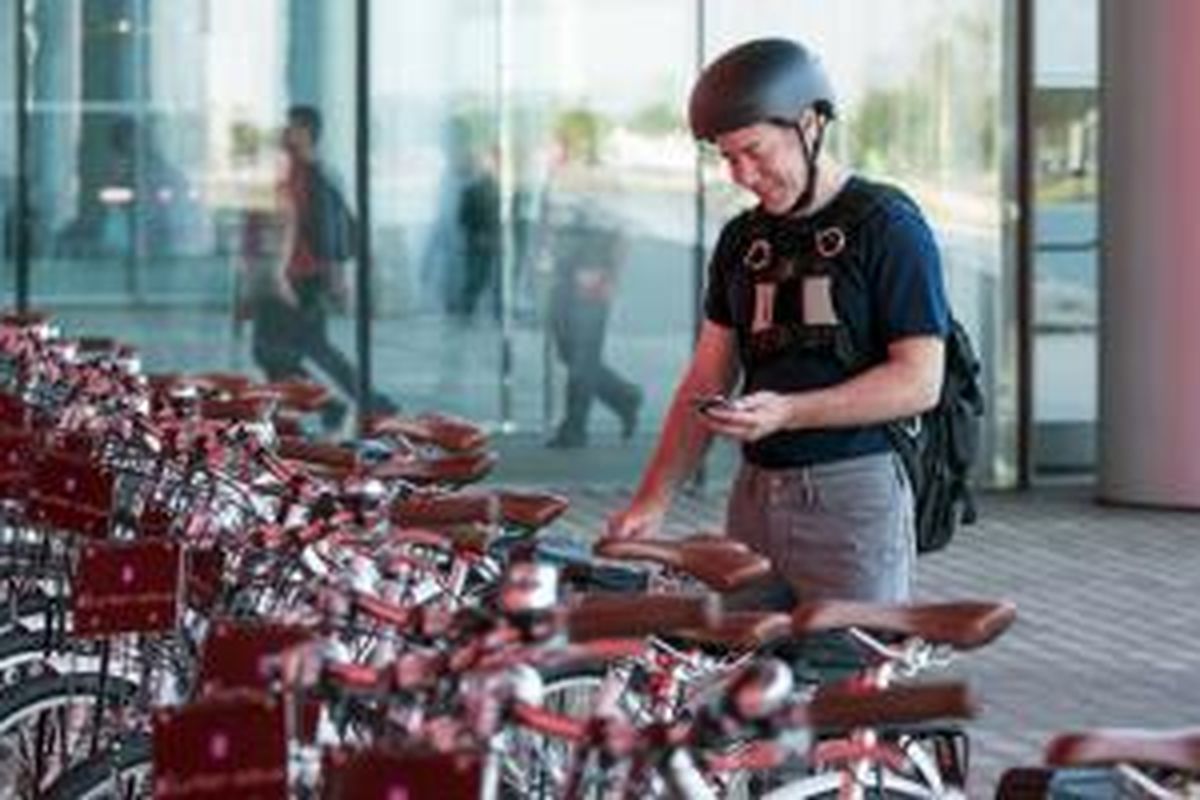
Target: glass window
point(1066, 115)
point(135, 174)
point(160, 180)
point(8, 157)
point(435, 183)
point(604, 186)
point(535, 197)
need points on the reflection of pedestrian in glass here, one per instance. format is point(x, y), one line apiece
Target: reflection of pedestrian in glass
point(587, 255)
point(479, 220)
point(290, 323)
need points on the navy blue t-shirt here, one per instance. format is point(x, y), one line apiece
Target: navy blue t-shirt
point(904, 295)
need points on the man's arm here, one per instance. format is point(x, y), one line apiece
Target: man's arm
point(908, 382)
point(289, 220)
point(684, 437)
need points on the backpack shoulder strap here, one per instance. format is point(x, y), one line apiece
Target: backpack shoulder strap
point(859, 201)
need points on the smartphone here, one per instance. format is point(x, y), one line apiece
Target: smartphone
point(710, 403)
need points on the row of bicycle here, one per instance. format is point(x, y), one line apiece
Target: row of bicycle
point(202, 600)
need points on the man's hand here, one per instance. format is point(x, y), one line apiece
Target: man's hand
point(750, 417)
point(638, 521)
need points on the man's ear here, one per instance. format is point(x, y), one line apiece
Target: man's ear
point(811, 123)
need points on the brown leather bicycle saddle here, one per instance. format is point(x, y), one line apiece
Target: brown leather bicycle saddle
point(963, 625)
point(299, 395)
point(604, 616)
point(319, 454)
point(838, 708)
point(447, 432)
point(524, 509)
point(454, 469)
point(742, 630)
point(253, 409)
point(721, 564)
point(1173, 749)
point(168, 382)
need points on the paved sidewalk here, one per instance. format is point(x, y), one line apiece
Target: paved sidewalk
point(1108, 630)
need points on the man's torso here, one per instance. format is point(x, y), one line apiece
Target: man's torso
point(787, 286)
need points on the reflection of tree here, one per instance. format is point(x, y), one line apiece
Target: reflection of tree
point(870, 129)
point(1066, 121)
point(580, 132)
point(656, 119)
point(942, 116)
point(246, 142)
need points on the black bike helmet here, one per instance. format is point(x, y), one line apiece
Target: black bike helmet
point(765, 80)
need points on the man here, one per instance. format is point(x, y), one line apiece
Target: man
point(820, 491)
point(290, 322)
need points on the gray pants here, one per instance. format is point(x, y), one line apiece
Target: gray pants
point(836, 531)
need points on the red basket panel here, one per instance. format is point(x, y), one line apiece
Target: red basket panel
point(221, 748)
point(126, 587)
point(70, 493)
point(237, 655)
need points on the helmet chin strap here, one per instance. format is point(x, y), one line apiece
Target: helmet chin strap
point(810, 159)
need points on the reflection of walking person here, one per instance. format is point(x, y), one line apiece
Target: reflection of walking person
point(290, 322)
point(587, 256)
point(479, 218)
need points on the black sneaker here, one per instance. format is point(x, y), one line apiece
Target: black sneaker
point(333, 414)
point(629, 417)
point(567, 440)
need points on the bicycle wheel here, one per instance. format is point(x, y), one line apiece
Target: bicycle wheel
point(49, 723)
point(23, 655)
point(29, 609)
point(122, 773)
point(877, 783)
point(537, 766)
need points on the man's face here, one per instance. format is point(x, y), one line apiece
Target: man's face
point(295, 137)
point(767, 160)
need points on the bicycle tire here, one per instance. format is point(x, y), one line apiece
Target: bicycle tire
point(20, 650)
point(531, 759)
point(93, 778)
point(30, 701)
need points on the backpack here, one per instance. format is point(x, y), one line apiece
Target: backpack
point(332, 228)
point(938, 447)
